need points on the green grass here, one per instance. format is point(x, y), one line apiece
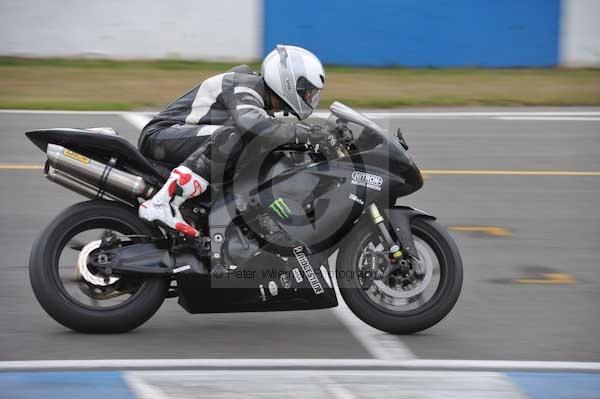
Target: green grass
point(71, 106)
point(163, 65)
point(87, 84)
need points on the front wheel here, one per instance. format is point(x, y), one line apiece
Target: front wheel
point(76, 295)
point(402, 302)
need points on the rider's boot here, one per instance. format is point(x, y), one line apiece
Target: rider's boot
point(181, 185)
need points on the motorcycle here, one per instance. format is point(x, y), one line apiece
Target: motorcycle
point(267, 234)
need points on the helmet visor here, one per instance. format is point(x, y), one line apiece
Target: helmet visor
point(308, 92)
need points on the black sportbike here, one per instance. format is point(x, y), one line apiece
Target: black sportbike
point(268, 234)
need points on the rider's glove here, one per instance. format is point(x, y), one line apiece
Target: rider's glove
point(316, 136)
point(321, 138)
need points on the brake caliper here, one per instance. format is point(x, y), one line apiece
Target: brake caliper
point(373, 265)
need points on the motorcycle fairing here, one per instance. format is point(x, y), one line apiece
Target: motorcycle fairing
point(265, 282)
point(318, 204)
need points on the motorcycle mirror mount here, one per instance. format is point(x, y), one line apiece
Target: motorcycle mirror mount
point(401, 139)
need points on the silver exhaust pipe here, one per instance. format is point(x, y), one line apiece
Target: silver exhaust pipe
point(93, 179)
point(78, 186)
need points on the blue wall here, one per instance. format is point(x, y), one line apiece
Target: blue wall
point(418, 33)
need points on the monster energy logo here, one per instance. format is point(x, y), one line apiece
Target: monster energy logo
point(280, 208)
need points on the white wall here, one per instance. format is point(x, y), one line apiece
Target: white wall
point(191, 29)
point(580, 33)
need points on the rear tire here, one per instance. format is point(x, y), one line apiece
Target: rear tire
point(48, 288)
point(399, 322)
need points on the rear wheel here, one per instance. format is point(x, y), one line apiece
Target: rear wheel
point(79, 297)
point(406, 301)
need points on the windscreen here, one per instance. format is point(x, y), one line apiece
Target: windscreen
point(346, 113)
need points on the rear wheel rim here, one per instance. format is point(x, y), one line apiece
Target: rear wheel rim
point(72, 285)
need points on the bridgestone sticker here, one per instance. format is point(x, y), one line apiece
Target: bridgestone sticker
point(308, 270)
point(368, 180)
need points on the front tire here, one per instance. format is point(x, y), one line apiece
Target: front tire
point(414, 316)
point(49, 288)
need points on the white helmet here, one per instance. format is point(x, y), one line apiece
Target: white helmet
point(296, 76)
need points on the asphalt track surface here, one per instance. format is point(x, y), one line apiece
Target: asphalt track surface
point(530, 292)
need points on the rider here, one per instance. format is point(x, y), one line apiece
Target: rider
point(211, 124)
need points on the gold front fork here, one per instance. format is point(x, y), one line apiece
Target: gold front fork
point(379, 221)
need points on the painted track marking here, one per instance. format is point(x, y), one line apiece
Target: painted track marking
point(380, 114)
point(21, 166)
point(142, 389)
point(457, 172)
point(494, 231)
point(338, 384)
point(379, 344)
point(344, 384)
point(547, 279)
point(138, 120)
point(499, 116)
point(549, 118)
point(335, 389)
point(321, 364)
point(484, 172)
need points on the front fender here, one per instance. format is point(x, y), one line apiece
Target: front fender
point(400, 218)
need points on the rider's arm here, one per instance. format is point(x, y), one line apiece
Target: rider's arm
point(246, 107)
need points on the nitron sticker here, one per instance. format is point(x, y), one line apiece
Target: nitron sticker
point(297, 275)
point(356, 199)
point(368, 180)
point(308, 270)
point(280, 208)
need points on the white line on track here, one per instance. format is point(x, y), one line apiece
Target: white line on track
point(138, 120)
point(548, 118)
point(483, 172)
point(336, 384)
point(379, 344)
point(472, 115)
point(334, 389)
point(321, 364)
point(20, 166)
point(141, 389)
point(382, 114)
point(59, 112)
